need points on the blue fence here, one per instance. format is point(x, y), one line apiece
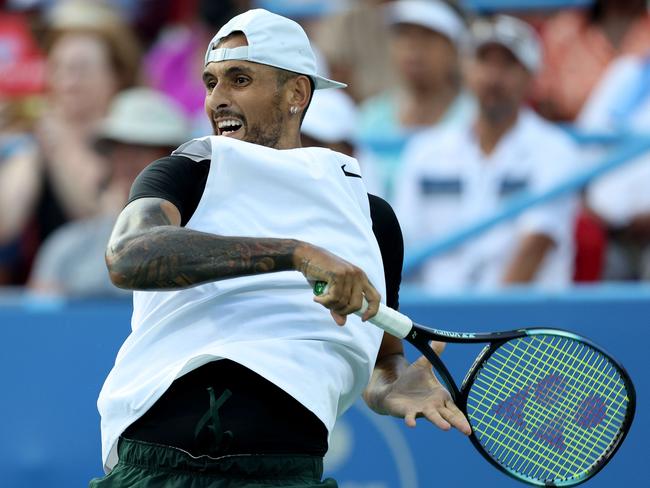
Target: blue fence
point(56, 356)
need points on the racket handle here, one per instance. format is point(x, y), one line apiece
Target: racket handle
point(393, 322)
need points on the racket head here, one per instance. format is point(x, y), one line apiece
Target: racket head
point(549, 408)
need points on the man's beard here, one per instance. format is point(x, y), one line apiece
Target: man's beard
point(498, 112)
point(268, 134)
point(270, 137)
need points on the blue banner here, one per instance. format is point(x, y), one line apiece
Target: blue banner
point(56, 356)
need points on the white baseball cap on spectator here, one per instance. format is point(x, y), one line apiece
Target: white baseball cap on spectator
point(331, 117)
point(273, 40)
point(145, 117)
point(515, 35)
point(435, 15)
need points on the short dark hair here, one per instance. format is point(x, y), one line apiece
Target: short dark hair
point(283, 76)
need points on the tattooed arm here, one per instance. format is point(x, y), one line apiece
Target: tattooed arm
point(148, 250)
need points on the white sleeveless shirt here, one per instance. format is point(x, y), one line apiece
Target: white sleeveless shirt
point(268, 323)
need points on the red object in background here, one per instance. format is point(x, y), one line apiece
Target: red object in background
point(591, 243)
point(183, 11)
point(22, 65)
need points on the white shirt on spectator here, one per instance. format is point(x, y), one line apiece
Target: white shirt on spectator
point(448, 184)
point(621, 103)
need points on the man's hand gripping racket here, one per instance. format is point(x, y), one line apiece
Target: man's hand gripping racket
point(546, 406)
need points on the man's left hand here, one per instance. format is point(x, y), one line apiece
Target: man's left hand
point(418, 393)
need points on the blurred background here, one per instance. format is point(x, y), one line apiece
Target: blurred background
point(512, 138)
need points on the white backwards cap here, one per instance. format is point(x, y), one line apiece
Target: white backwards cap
point(273, 40)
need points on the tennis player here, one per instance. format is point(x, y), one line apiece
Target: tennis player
point(234, 374)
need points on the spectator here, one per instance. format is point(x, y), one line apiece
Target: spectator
point(318, 130)
point(580, 44)
point(354, 43)
point(21, 84)
point(621, 200)
point(424, 41)
point(91, 56)
point(456, 176)
point(142, 126)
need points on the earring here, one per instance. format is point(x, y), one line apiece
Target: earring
point(293, 110)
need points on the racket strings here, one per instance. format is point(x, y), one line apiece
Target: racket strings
point(509, 449)
point(547, 435)
point(547, 407)
point(552, 428)
point(521, 387)
point(551, 416)
point(551, 433)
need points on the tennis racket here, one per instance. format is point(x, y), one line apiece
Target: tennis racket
point(546, 406)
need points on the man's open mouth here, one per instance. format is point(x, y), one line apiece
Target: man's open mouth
point(228, 127)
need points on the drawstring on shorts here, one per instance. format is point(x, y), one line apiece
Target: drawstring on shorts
point(212, 421)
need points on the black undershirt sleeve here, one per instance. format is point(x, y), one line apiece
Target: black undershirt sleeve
point(181, 181)
point(391, 244)
point(177, 179)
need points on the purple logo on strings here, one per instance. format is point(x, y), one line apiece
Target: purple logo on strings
point(548, 392)
point(512, 408)
point(591, 412)
point(552, 433)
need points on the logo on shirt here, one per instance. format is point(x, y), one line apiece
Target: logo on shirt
point(347, 173)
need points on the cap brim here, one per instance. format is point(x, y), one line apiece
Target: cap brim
point(495, 40)
point(480, 42)
point(321, 83)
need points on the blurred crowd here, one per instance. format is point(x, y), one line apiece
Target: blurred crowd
point(451, 112)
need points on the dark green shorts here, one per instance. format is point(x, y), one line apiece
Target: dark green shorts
point(145, 465)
